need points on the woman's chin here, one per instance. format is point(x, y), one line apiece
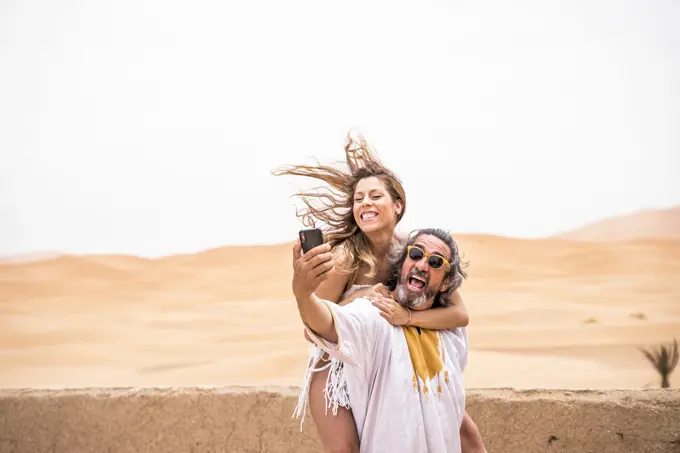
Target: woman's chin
point(376, 226)
point(372, 227)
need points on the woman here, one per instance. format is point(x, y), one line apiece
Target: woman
point(360, 208)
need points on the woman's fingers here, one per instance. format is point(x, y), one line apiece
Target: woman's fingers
point(381, 302)
point(389, 309)
point(387, 302)
point(382, 290)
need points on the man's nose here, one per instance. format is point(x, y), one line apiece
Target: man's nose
point(422, 265)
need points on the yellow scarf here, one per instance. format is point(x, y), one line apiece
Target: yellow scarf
point(423, 347)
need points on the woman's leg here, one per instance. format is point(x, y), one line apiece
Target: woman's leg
point(338, 433)
point(470, 437)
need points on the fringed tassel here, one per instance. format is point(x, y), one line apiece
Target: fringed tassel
point(336, 388)
point(439, 387)
point(315, 355)
point(426, 391)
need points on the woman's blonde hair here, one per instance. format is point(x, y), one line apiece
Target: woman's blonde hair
point(332, 203)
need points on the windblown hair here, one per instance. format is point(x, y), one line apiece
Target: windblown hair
point(454, 275)
point(331, 203)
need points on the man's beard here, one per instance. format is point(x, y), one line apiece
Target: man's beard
point(410, 299)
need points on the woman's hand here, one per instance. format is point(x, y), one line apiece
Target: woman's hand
point(362, 293)
point(390, 309)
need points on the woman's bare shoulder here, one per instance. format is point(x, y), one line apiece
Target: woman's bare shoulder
point(333, 287)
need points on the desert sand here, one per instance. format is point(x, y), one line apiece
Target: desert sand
point(551, 313)
point(650, 223)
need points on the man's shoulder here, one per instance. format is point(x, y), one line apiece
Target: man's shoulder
point(458, 333)
point(455, 341)
point(362, 310)
point(456, 338)
point(360, 306)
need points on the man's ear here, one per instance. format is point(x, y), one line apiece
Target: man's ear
point(446, 283)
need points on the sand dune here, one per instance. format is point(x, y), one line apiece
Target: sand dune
point(651, 223)
point(544, 313)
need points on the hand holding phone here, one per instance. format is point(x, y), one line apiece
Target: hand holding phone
point(312, 259)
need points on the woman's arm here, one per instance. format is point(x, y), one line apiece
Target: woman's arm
point(332, 288)
point(441, 318)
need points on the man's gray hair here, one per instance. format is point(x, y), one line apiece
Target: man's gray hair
point(454, 275)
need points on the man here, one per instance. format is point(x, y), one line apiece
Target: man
point(405, 383)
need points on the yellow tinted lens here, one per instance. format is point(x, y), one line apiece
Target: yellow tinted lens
point(435, 261)
point(415, 253)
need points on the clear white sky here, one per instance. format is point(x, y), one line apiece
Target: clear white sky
point(150, 127)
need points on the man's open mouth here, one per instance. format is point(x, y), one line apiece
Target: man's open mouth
point(416, 284)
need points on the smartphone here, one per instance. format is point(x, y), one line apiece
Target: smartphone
point(310, 238)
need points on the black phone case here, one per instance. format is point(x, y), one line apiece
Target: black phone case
point(310, 238)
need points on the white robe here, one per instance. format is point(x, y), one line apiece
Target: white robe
point(394, 410)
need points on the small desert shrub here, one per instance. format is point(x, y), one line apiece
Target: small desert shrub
point(664, 360)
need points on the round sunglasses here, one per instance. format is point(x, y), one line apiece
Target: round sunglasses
point(434, 261)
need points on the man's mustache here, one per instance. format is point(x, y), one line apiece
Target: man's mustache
point(420, 274)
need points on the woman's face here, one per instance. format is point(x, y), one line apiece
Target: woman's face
point(374, 209)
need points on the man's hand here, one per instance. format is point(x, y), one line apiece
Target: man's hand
point(310, 269)
point(390, 309)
